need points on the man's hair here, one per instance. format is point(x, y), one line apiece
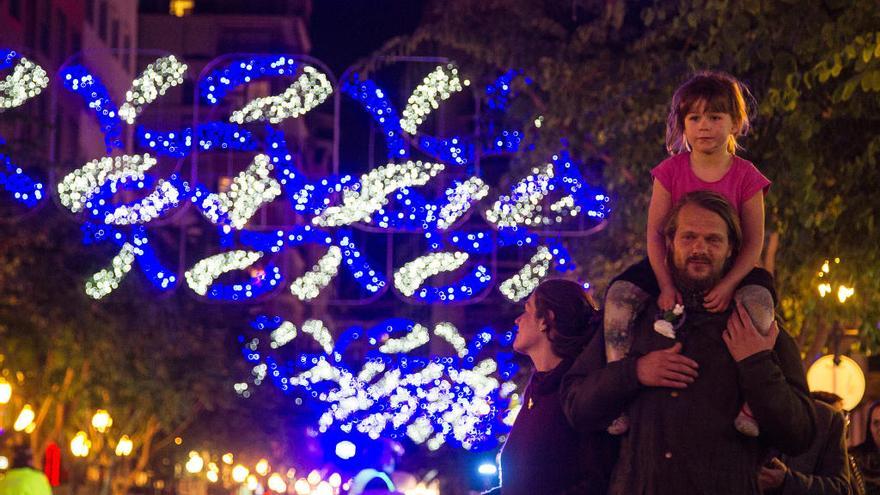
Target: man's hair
point(717, 204)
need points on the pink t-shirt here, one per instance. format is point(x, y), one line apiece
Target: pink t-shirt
point(738, 185)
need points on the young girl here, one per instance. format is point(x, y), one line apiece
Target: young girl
point(707, 114)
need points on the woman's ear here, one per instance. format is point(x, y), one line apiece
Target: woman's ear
point(549, 319)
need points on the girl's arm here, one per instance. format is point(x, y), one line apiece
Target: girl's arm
point(658, 211)
point(753, 242)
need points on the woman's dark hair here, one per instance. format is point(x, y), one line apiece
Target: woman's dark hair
point(869, 438)
point(22, 456)
point(575, 317)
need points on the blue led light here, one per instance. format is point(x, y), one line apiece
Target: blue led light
point(23, 189)
point(214, 87)
point(178, 144)
point(89, 87)
point(376, 102)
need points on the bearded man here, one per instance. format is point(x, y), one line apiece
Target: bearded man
point(682, 387)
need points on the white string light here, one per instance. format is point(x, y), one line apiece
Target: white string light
point(165, 196)
point(320, 333)
point(521, 284)
point(308, 286)
point(459, 201)
point(107, 280)
point(26, 81)
point(282, 335)
point(249, 191)
point(450, 334)
point(76, 188)
point(154, 81)
point(203, 273)
point(436, 87)
point(410, 277)
point(373, 189)
point(308, 91)
point(417, 337)
point(523, 206)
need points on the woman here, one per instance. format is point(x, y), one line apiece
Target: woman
point(867, 453)
point(544, 454)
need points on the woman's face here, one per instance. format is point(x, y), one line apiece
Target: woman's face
point(875, 426)
point(530, 328)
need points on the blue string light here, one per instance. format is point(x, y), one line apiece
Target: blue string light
point(23, 189)
point(376, 102)
point(219, 82)
point(89, 87)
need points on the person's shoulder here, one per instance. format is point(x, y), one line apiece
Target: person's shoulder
point(673, 162)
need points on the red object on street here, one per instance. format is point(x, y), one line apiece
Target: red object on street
point(52, 464)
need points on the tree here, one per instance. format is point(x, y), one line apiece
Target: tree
point(604, 73)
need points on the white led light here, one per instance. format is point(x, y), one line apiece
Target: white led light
point(320, 333)
point(436, 87)
point(166, 195)
point(417, 337)
point(523, 207)
point(282, 335)
point(250, 190)
point(77, 187)
point(154, 81)
point(309, 285)
point(307, 92)
point(410, 277)
point(372, 192)
point(529, 276)
point(106, 280)
point(459, 201)
point(26, 81)
point(203, 273)
point(450, 334)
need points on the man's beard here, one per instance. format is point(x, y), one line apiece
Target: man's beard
point(691, 286)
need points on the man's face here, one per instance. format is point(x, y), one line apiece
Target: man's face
point(700, 248)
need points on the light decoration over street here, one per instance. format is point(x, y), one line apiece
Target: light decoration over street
point(160, 76)
point(452, 397)
point(429, 191)
point(26, 81)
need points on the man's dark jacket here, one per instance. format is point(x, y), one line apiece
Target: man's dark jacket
point(824, 468)
point(684, 441)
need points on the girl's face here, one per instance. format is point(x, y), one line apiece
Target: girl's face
point(530, 328)
point(707, 132)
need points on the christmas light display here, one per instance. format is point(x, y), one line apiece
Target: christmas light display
point(249, 191)
point(437, 86)
point(157, 78)
point(77, 188)
point(26, 81)
point(523, 283)
point(106, 280)
point(203, 274)
point(452, 398)
point(309, 91)
point(309, 285)
point(410, 277)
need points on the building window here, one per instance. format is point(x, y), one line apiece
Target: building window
point(90, 11)
point(102, 20)
point(61, 35)
point(126, 52)
point(15, 9)
point(180, 8)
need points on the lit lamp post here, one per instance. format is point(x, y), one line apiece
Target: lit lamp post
point(834, 372)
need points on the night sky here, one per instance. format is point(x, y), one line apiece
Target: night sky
point(343, 31)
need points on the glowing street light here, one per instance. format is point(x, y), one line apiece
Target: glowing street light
point(276, 483)
point(844, 293)
point(239, 473)
point(123, 448)
point(5, 391)
point(102, 420)
point(227, 458)
point(195, 463)
point(80, 445)
point(25, 418)
point(262, 467)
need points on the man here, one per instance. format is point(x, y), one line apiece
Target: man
point(23, 479)
point(682, 392)
point(824, 468)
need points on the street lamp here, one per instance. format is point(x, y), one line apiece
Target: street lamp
point(25, 418)
point(80, 445)
point(102, 420)
point(239, 473)
point(5, 391)
point(124, 447)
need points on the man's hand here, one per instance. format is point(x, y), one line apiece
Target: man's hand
point(743, 339)
point(666, 368)
point(718, 299)
point(772, 476)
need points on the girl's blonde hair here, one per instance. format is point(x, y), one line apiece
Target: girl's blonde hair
point(718, 92)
